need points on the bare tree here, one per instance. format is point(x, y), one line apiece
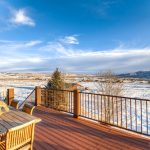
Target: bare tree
point(109, 84)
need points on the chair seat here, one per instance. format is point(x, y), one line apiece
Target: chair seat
point(2, 145)
point(15, 104)
point(27, 108)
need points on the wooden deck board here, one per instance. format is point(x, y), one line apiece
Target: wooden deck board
point(59, 131)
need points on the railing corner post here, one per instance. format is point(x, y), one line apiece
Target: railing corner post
point(76, 103)
point(37, 95)
point(10, 95)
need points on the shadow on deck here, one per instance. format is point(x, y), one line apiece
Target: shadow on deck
point(59, 131)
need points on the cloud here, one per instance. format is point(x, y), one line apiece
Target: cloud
point(117, 60)
point(33, 43)
point(10, 17)
point(19, 17)
point(61, 47)
point(17, 45)
point(69, 40)
point(36, 55)
point(58, 49)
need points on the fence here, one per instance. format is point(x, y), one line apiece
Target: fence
point(124, 112)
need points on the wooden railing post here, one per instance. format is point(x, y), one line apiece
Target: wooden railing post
point(10, 96)
point(76, 103)
point(37, 95)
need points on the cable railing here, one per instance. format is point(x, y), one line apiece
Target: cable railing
point(30, 99)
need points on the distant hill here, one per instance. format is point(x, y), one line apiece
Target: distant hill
point(139, 74)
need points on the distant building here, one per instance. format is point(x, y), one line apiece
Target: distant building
point(74, 86)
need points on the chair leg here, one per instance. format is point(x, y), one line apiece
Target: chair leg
point(31, 148)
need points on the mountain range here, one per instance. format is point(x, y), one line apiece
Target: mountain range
point(138, 74)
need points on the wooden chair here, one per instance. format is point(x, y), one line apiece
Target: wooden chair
point(15, 104)
point(19, 138)
point(3, 107)
point(27, 108)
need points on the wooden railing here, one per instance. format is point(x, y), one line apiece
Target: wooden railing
point(123, 112)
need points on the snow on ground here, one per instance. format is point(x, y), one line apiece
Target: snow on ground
point(22, 88)
point(135, 89)
point(138, 90)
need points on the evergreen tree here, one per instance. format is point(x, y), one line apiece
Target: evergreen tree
point(57, 81)
point(57, 98)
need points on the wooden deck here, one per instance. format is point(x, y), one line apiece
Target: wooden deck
point(59, 131)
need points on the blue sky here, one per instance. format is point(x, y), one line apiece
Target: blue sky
point(78, 36)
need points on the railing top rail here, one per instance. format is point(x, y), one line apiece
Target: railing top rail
point(117, 96)
point(123, 97)
point(56, 90)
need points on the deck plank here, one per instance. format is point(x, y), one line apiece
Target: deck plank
point(59, 131)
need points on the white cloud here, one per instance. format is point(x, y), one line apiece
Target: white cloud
point(10, 17)
point(19, 17)
point(34, 59)
point(34, 56)
point(58, 49)
point(17, 45)
point(33, 43)
point(69, 40)
point(55, 48)
point(118, 59)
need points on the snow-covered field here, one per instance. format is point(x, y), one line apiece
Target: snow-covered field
point(23, 83)
point(22, 88)
point(138, 90)
point(135, 89)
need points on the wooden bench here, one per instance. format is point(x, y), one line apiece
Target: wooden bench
point(20, 137)
point(27, 108)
